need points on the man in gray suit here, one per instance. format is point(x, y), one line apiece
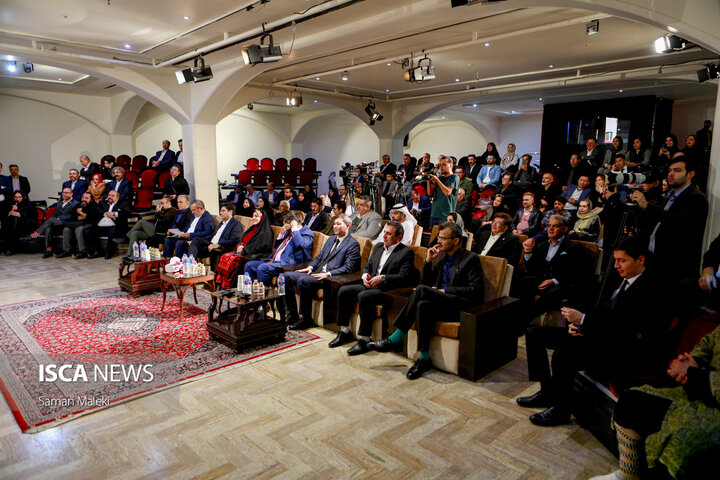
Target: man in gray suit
point(339, 255)
point(365, 222)
point(65, 212)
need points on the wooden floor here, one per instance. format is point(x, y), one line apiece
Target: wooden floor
point(310, 413)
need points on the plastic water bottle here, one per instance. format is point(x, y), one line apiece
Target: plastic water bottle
point(241, 283)
point(136, 250)
point(255, 288)
point(144, 252)
point(247, 289)
point(281, 284)
point(261, 290)
point(185, 267)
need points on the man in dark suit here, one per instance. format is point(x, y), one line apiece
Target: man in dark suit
point(499, 240)
point(6, 194)
point(576, 193)
point(509, 191)
point(557, 269)
point(113, 224)
point(120, 185)
point(292, 245)
point(181, 220)
point(65, 212)
point(473, 168)
point(201, 226)
point(164, 159)
point(179, 153)
point(76, 184)
point(624, 337)
point(592, 154)
point(390, 266)
point(677, 225)
point(17, 181)
point(89, 168)
point(224, 238)
point(272, 197)
point(463, 207)
point(420, 207)
point(387, 166)
point(577, 169)
point(527, 218)
point(452, 280)
point(339, 255)
point(316, 220)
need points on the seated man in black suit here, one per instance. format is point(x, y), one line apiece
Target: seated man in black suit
point(89, 168)
point(113, 224)
point(316, 220)
point(65, 212)
point(88, 214)
point(163, 159)
point(339, 255)
point(201, 225)
point(499, 240)
point(390, 266)
point(77, 184)
point(224, 238)
point(452, 280)
point(622, 338)
point(557, 269)
point(120, 185)
point(181, 220)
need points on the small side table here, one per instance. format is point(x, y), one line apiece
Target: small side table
point(138, 277)
point(180, 285)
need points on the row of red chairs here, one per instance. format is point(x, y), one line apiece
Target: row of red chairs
point(261, 178)
point(281, 165)
point(137, 163)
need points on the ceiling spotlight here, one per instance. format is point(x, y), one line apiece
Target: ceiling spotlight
point(551, 66)
point(387, 91)
point(186, 17)
point(372, 113)
point(262, 53)
point(317, 78)
point(474, 105)
point(457, 79)
point(294, 99)
point(671, 43)
point(196, 74)
point(422, 73)
point(593, 27)
point(344, 76)
point(250, 106)
point(314, 101)
point(708, 73)
point(540, 99)
point(11, 67)
point(127, 45)
point(620, 91)
point(487, 44)
point(28, 67)
point(389, 64)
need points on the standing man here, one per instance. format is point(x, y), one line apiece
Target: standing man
point(339, 255)
point(18, 182)
point(179, 153)
point(445, 191)
point(365, 221)
point(452, 280)
point(77, 184)
point(390, 266)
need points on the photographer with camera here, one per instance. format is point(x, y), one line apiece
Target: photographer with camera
point(677, 225)
point(444, 190)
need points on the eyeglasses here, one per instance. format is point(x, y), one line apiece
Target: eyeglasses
point(443, 238)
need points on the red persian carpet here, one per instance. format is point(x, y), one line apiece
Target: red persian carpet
point(68, 356)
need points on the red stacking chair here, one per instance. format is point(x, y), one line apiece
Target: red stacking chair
point(144, 200)
point(296, 165)
point(266, 164)
point(293, 178)
point(244, 177)
point(259, 178)
point(139, 162)
point(307, 178)
point(40, 215)
point(310, 164)
point(162, 178)
point(281, 164)
point(123, 161)
point(134, 177)
point(49, 212)
point(252, 164)
point(275, 177)
point(147, 179)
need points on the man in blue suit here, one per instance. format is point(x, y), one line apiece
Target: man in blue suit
point(420, 207)
point(224, 238)
point(575, 193)
point(120, 185)
point(163, 159)
point(339, 255)
point(490, 174)
point(201, 226)
point(292, 245)
point(76, 184)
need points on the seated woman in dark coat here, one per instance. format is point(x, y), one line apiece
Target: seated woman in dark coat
point(22, 219)
point(256, 243)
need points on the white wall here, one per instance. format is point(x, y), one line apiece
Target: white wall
point(523, 130)
point(447, 137)
point(45, 141)
point(688, 117)
point(148, 136)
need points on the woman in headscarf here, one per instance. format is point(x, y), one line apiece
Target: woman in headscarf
point(666, 152)
point(108, 165)
point(303, 204)
point(256, 243)
point(309, 193)
point(701, 160)
point(490, 150)
point(97, 187)
point(246, 208)
point(587, 225)
point(21, 220)
point(265, 207)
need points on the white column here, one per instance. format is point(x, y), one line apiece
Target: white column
point(200, 164)
point(713, 189)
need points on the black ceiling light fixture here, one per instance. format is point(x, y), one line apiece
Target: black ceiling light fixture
point(372, 113)
point(294, 99)
point(196, 74)
point(423, 72)
point(262, 53)
point(709, 72)
point(671, 43)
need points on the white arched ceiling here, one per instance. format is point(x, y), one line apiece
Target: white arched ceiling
point(124, 122)
point(59, 106)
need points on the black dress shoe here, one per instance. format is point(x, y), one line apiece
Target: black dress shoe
point(47, 254)
point(341, 339)
point(62, 255)
point(81, 255)
point(385, 345)
point(302, 324)
point(416, 371)
point(538, 400)
point(95, 255)
point(550, 417)
point(291, 319)
point(359, 348)
point(108, 256)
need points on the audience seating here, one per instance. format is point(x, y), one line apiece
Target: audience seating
point(293, 178)
point(133, 177)
point(123, 161)
point(244, 177)
point(259, 178)
point(252, 164)
point(139, 162)
point(275, 177)
point(281, 164)
point(266, 164)
point(310, 164)
point(143, 200)
point(307, 178)
point(296, 164)
point(147, 179)
point(162, 178)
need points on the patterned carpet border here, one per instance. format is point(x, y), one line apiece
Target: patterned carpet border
point(111, 325)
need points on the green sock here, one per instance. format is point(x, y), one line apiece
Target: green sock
point(425, 356)
point(397, 337)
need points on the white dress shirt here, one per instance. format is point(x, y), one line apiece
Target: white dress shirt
point(218, 234)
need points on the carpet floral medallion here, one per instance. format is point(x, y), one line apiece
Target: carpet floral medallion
point(67, 356)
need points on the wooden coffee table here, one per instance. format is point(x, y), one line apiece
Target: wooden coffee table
point(138, 277)
point(242, 324)
point(180, 285)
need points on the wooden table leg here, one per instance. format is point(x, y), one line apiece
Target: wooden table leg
point(181, 297)
point(195, 293)
point(163, 287)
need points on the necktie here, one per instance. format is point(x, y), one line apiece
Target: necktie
point(280, 248)
point(319, 268)
point(623, 287)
